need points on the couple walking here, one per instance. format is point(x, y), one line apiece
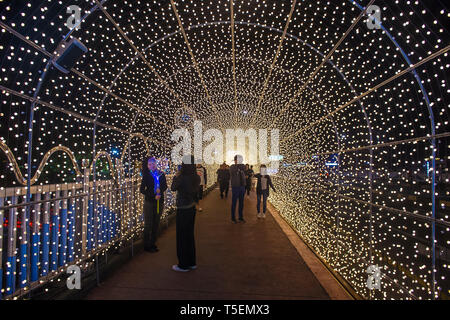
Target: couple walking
point(239, 184)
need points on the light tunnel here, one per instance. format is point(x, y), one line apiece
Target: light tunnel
point(357, 89)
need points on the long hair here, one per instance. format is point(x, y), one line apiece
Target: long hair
point(145, 172)
point(188, 167)
point(144, 169)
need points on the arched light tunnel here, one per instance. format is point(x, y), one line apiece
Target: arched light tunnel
point(356, 89)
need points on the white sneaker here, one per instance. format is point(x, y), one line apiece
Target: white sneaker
point(258, 215)
point(175, 267)
point(263, 216)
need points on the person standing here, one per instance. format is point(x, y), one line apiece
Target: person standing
point(223, 178)
point(153, 186)
point(201, 171)
point(237, 174)
point(186, 183)
point(249, 176)
point(262, 190)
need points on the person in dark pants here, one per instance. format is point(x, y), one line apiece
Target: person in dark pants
point(153, 186)
point(186, 183)
point(262, 190)
point(248, 175)
point(202, 173)
point(227, 178)
point(238, 182)
point(223, 178)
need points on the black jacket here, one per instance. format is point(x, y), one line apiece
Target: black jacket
point(148, 185)
point(248, 175)
point(223, 175)
point(258, 185)
point(237, 172)
point(187, 187)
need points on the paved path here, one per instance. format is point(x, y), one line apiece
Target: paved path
point(254, 260)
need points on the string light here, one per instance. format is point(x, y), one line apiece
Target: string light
point(374, 205)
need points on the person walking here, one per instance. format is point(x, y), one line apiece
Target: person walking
point(238, 182)
point(201, 171)
point(262, 190)
point(153, 186)
point(248, 176)
point(223, 178)
point(186, 183)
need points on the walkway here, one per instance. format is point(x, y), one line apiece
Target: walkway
point(254, 260)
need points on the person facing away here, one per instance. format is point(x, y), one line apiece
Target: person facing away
point(201, 171)
point(248, 176)
point(262, 190)
point(223, 178)
point(186, 183)
point(238, 183)
point(153, 186)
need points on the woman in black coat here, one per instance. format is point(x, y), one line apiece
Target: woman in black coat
point(186, 183)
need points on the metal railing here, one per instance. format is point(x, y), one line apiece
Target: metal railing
point(64, 225)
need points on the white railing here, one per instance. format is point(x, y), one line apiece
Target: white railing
point(64, 225)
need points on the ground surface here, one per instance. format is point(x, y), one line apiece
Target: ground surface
point(254, 260)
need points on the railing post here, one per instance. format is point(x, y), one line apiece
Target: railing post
point(97, 225)
point(129, 215)
point(99, 213)
point(11, 259)
point(63, 243)
point(104, 212)
point(95, 217)
point(2, 203)
point(54, 235)
point(85, 206)
point(116, 196)
point(126, 220)
point(71, 224)
point(112, 208)
point(45, 235)
point(107, 211)
point(23, 249)
point(35, 240)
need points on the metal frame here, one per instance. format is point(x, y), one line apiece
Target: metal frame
point(99, 5)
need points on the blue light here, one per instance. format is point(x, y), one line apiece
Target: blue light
point(115, 152)
point(331, 164)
